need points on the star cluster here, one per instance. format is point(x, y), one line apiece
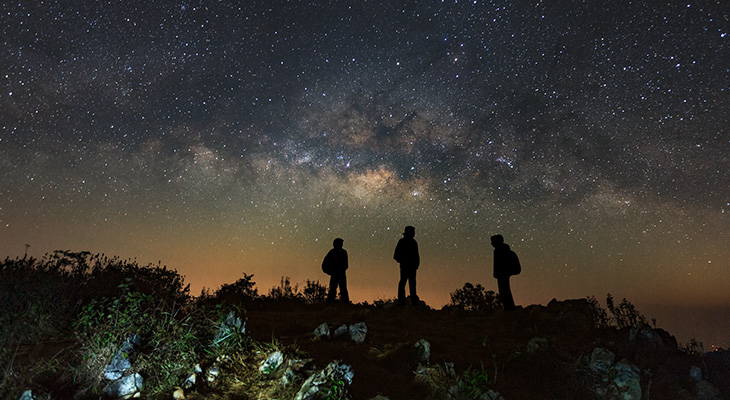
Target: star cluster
point(225, 137)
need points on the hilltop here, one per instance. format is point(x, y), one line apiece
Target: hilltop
point(76, 326)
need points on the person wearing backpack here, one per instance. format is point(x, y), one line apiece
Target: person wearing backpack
point(335, 264)
point(506, 264)
point(406, 254)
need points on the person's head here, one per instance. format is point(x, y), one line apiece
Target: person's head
point(337, 243)
point(497, 240)
point(409, 231)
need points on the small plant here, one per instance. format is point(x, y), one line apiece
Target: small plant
point(475, 383)
point(693, 347)
point(624, 314)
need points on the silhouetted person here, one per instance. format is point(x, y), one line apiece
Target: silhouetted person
point(406, 253)
point(335, 264)
point(506, 264)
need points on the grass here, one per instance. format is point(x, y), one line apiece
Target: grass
point(64, 317)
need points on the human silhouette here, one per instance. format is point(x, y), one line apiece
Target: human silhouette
point(406, 253)
point(506, 264)
point(335, 264)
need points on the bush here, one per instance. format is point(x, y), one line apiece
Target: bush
point(314, 292)
point(244, 289)
point(285, 290)
point(622, 315)
point(475, 298)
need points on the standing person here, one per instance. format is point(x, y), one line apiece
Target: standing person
point(335, 264)
point(506, 264)
point(406, 253)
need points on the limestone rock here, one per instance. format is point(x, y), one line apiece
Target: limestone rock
point(127, 387)
point(120, 363)
point(422, 352)
point(272, 363)
point(358, 332)
point(613, 381)
point(334, 381)
point(322, 331)
point(341, 331)
point(27, 395)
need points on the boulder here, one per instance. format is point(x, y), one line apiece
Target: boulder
point(121, 363)
point(213, 372)
point(333, 381)
point(272, 363)
point(341, 331)
point(612, 381)
point(127, 387)
point(27, 395)
point(358, 332)
point(322, 331)
point(422, 352)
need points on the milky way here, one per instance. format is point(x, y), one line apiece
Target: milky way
point(223, 138)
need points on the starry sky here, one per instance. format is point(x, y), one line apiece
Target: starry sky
point(223, 137)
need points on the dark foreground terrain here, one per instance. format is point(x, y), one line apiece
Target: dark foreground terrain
point(81, 327)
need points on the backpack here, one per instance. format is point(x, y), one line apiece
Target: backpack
point(514, 267)
point(327, 264)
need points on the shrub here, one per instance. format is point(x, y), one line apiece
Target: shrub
point(243, 289)
point(314, 292)
point(622, 315)
point(475, 298)
point(285, 290)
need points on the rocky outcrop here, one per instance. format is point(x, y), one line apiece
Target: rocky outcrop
point(331, 382)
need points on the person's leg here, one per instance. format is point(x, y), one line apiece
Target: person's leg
point(412, 287)
point(505, 293)
point(332, 294)
point(402, 287)
point(344, 296)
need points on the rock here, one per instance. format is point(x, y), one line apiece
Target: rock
point(120, 363)
point(178, 394)
point(333, 381)
point(620, 381)
point(536, 345)
point(695, 373)
point(288, 377)
point(127, 387)
point(27, 395)
point(341, 331)
point(322, 331)
point(273, 362)
point(422, 352)
point(213, 373)
point(627, 382)
point(491, 395)
point(601, 360)
point(705, 390)
point(192, 379)
point(358, 332)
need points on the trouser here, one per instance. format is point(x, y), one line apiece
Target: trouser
point(338, 279)
point(505, 293)
point(409, 275)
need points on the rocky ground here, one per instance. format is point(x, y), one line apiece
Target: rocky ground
point(414, 352)
point(539, 352)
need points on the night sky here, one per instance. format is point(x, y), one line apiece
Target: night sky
point(224, 137)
